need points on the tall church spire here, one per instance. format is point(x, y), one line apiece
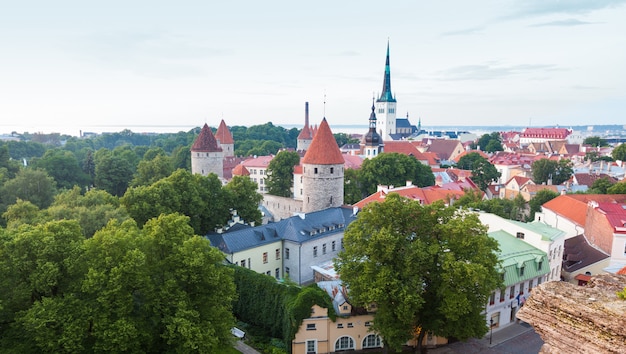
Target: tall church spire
point(386, 95)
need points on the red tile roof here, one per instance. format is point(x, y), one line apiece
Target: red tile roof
point(258, 162)
point(615, 214)
point(403, 147)
point(305, 133)
point(323, 149)
point(574, 206)
point(545, 133)
point(240, 170)
point(426, 195)
point(205, 142)
point(223, 134)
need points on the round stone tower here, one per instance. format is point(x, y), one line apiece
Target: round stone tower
point(206, 156)
point(322, 172)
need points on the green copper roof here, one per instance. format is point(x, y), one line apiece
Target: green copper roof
point(515, 253)
point(548, 233)
point(386, 95)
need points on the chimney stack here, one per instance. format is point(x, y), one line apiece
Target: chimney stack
point(306, 114)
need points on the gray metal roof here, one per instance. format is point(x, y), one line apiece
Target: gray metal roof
point(300, 229)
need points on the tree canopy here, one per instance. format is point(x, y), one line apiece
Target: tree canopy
point(595, 141)
point(546, 170)
point(483, 171)
point(542, 197)
point(429, 267)
point(159, 289)
point(393, 169)
point(279, 179)
point(489, 142)
point(619, 153)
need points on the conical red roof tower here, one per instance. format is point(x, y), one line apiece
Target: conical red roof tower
point(323, 149)
point(205, 142)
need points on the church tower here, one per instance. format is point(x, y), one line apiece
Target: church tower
point(305, 137)
point(225, 140)
point(206, 156)
point(386, 105)
point(322, 172)
point(373, 142)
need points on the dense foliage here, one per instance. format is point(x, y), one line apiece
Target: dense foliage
point(151, 290)
point(430, 267)
point(483, 172)
point(489, 142)
point(552, 172)
point(280, 173)
point(619, 153)
point(278, 308)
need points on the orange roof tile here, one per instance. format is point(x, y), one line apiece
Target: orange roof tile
point(622, 271)
point(305, 133)
point(323, 149)
point(574, 206)
point(240, 170)
point(223, 134)
point(205, 142)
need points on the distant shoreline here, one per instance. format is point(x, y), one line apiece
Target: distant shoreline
point(603, 130)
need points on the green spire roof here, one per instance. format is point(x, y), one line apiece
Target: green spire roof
point(386, 95)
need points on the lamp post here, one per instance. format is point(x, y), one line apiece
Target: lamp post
point(491, 329)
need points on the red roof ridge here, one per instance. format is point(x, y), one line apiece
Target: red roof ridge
point(323, 149)
point(305, 133)
point(223, 134)
point(205, 142)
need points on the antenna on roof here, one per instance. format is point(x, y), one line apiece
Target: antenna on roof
point(324, 103)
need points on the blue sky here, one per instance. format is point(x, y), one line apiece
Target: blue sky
point(69, 65)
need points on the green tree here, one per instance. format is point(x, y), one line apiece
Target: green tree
point(8, 167)
point(63, 167)
point(351, 186)
point(181, 158)
point(483, 172)
point(619, 153)
point(151, 169)
point(198, 197)
point(393, 169)
point(280, 173)
point(595, 141)
point(243, 197)
point(430, 267)
point(545, 170)
point(617, 188)
point(22, 212)
point(542, 197)
point(343, 139)
point(601, 186)
point(113, 172)
point(93, 210)
point(489, 142)
point(29, 184)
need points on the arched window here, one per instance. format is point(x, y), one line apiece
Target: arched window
point(344, 343)
point(372, 341)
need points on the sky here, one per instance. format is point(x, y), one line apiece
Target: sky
point(67, 66)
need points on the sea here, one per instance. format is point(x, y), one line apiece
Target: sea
point(8, 129)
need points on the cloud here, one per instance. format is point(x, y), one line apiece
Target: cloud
point(464, 32)
point(547, 7)
point(563, 23)
point(147, 54)
point(492, 72)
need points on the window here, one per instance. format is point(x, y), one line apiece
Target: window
point(344, 343)
point(249, 263)
point(311, 346)
point(278, 253)
point(492, 298)
point(314, 251)
point(277, 273)
point(243, 263)
point(368, 323)
point(350, 325)
point(512, 292)
point(520, 235)
point(339, 325)
point(345, 307)
point(521, 271)
point(502, 291)
point(539, 265)
point(310, 327)
point(315, 170)
point(371, 341)
point(269, 272)
point(332, 246)
point(332, 170)
point(286, 253)
point(324, 249)
point(264, 257)
point(261, 180)
point(287, 271)
point(530, 285)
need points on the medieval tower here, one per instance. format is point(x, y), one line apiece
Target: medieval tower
point(225, 140)
point(386, 105)
point(322, 172)
point(305, 137)
point(206, 156)
point(373, 144)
